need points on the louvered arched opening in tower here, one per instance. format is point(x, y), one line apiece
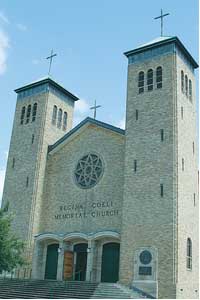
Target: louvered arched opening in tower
point(186, 85)
point(28, 114)
point(141, 82)
point(65, 121)
point(22, 115)
point(190, 90)
point(34, 112)
point(54, 115)
point(59, 118)
point(182, 81)
point(150, 80)
point(159, 77)
point(189, 254)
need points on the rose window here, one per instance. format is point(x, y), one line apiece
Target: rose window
point(88, 171)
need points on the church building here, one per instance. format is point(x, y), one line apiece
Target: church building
point(98, 203)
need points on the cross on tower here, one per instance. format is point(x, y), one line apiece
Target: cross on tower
point(161, 18)
point(50, 58)
point(95, 108)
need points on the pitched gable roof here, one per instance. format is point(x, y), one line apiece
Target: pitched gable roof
point(81, 124)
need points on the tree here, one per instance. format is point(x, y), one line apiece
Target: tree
point(11, 248)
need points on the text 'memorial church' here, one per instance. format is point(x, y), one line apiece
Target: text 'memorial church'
point(102, 204)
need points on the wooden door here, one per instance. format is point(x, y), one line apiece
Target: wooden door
point(68, 265)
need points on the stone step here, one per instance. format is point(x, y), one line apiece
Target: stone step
point(116, 293)
point(48, 289)
point(45, 281)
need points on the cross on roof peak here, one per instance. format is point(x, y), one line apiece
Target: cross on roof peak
point(50, 58)
point(161, 19)
point(95, 108)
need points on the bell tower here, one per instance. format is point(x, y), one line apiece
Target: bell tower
point(44, 113)
point(160, 206)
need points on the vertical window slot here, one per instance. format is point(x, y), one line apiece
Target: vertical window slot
point(161, 190)
point(162, 134)
point(135, 165)
point(136, 114)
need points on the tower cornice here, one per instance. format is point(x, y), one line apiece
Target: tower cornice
point(161, 42)
point(51, 82)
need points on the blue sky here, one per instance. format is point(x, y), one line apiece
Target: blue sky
point(89, 38)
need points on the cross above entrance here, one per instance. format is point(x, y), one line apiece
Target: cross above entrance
point(161, 17)
point(95, 108)
point(50, 60)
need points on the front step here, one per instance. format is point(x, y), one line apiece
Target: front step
point(51, 289)
point(114, 291)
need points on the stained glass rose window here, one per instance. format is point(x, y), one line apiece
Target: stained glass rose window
point(88, 170)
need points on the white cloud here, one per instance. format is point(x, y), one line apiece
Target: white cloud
point(4, 18)
point(81, 106)
point(121, 123)
point(81, 111)
point(21, 27)
point(2, 177)
point(4, 45)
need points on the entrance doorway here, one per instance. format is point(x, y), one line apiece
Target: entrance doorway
point(110, 262)
point(51, 262)
point(68, 265)
point(81, 261)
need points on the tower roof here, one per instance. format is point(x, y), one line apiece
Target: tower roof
point(50, 81)
point(160, 41)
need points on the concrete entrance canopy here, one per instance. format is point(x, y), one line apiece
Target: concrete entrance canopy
point(67, 242)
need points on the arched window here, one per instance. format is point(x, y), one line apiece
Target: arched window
point(190, 90)
point(54, 115)
point(189, 254)
point(59, 118)
point(34, 112)
point(186, 85)
point(65, 121)
point(141, 82)
point(28, 114)
point(22, 115)
point(150, 80)
point(159, 77)
point(182, 81)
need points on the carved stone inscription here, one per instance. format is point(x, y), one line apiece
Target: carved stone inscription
point(94, 210)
